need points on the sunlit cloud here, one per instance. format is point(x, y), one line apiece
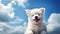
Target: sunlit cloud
point(53, 22)
point(6, 12)
point(9, 29)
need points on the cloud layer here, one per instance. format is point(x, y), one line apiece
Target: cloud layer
point(9, 29)
point(6, 12)
point(8, 18)
point(54, 24)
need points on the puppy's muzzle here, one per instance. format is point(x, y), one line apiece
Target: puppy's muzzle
point(36, 18)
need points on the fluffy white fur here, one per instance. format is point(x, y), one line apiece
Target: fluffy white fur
point(35, 26)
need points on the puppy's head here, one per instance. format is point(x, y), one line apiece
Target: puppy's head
point(35, 15)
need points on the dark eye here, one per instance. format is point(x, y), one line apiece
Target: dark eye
point(32, 15)
point(39, 14)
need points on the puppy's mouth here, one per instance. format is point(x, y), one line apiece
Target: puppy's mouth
point(36, 20)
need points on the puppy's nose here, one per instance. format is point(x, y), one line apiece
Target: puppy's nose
point(36, 17)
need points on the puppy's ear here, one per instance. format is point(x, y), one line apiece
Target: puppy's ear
point(27, 11)
point(42, 10)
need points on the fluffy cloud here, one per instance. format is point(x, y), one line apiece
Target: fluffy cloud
point(5, 27)
point(16, 20)
point(6, 12)
point(20, 2)
point(54, 18)
point(9, 29)
point(54, 23)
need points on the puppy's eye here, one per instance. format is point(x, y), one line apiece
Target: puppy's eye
point(32, 15)
point(39, 14)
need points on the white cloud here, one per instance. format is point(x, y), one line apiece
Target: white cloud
point(6, 12)
point(17, 20)
point(54, 22)
point(6, 28)
point(16, 29)
point(54, 18)
point(9, 29)
point(20, 2)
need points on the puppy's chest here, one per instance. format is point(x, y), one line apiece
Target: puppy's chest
point(36, 28)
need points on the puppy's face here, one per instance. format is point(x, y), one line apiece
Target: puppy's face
point(35, 15)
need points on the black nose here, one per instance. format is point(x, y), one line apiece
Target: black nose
point(36, 17)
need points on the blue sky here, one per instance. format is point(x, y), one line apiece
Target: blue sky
point(13, 15)
point(52, 6)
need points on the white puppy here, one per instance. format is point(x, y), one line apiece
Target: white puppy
point(35, 21)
